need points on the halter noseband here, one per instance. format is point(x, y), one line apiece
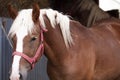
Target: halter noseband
point(39, 51)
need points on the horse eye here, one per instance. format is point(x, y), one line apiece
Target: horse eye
point(33, 38)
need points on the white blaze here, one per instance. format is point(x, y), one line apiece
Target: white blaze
point(16, 59)
point(21, 25)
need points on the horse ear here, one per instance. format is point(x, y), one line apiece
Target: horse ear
point(35, 12)
point(12, 11)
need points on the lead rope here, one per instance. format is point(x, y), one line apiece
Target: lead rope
point(2, 26)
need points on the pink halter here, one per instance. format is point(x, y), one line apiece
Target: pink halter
point(39, 51)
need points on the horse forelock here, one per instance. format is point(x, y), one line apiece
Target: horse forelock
point(24, 21)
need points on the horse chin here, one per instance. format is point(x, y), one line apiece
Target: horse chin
point(22, 75)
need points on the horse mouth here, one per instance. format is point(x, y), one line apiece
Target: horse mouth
point(21, 76)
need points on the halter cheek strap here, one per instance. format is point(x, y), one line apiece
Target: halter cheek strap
point(39, 51)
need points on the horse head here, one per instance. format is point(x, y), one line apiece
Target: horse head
point(27, 35)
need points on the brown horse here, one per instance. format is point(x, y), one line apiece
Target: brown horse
point(74, 52)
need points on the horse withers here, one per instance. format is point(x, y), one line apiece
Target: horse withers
point(74, 52)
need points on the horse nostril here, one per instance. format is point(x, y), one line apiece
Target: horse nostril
point(20, 76)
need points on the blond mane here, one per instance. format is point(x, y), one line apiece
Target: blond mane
point(24, 19)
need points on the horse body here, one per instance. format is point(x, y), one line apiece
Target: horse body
point(68, 64)
point(74, 52)
point(95, 63)
point(107, 57)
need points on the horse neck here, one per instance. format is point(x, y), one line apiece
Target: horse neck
point(88, 12)
point(55, 47)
